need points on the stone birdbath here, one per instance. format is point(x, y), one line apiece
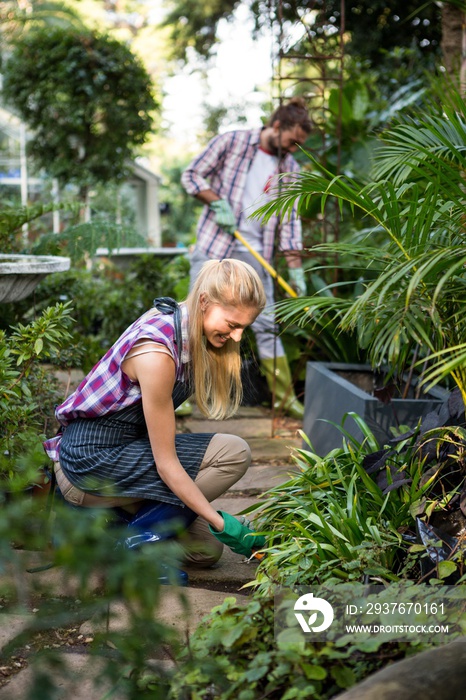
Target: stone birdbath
point(19, 274)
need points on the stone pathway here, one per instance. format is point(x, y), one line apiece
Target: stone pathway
point(272, 464)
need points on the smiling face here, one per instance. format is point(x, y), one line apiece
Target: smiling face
point(221, 322)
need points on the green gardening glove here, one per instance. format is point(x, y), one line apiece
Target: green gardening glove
point(238, 536)
point(297, 280)
point(224, 215)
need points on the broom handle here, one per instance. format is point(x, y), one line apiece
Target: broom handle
point(266, 266)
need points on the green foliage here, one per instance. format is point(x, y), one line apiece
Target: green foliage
point(28, 394)
point(362, 513)
point(235, 654)
point(16, 17)
point(13, 218)
point(332, 522)
point(194, 24)
point(86, 98)
point(413, 294)
point(374, 27)
point(80, 241)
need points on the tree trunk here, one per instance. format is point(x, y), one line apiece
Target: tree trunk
point(454, 43)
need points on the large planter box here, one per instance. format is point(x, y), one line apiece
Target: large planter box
point(329, 395)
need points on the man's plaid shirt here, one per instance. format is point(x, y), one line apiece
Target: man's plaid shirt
point(223, 167)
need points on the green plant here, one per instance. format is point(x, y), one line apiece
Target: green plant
point(368, 512)
point(86, 98)
point(28, 394)
point(12, 219)
point(235, 654)
point(80, 241)
point(413, 301)
point(332, 522)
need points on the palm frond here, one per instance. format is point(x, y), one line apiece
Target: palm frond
point(410, 256)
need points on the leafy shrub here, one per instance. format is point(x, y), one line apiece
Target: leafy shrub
point(363, 511)
point(333, 522)
point(234, 655)
point(86, 98)
point(28, 394)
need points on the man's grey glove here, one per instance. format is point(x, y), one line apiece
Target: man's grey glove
point(224, 215)
point(238, 536)
point(297, 280)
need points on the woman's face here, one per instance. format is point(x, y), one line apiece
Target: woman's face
point(223, 322)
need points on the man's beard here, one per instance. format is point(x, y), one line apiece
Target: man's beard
point(274, 149)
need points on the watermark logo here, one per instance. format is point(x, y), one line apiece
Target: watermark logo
point(308, 604)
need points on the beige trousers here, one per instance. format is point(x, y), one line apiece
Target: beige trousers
point(226, 460)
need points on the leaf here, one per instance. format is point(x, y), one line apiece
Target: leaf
point(417, 548)
point(255, 674)
point(376, 460)
point(385, 393)
point(38, 346)
point(238, 635)
point(314, 672)
point(343, 676)
point(446, 569)
point(397, 485)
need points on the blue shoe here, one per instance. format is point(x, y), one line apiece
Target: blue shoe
point(155, 522)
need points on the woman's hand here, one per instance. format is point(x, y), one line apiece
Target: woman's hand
point(240, 538)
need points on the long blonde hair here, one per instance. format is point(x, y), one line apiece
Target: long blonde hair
point(217, 371)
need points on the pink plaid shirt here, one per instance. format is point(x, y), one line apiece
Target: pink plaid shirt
point(223, 167)
point(107, 389)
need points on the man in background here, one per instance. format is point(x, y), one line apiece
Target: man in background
point(232, 177)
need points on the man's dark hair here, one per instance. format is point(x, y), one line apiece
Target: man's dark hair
point(291, 114)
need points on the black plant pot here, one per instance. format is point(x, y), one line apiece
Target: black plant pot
point(330, 395)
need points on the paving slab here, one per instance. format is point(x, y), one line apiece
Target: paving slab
point(77, 676)
point(273, 450)
point(180, 608)
point(262, 477)
point(244, 427)
point(11, 625)
point(228, 575)
point(54, 581)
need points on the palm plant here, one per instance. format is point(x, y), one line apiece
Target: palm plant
point(414, 299)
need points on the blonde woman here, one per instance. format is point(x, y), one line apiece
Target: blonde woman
point(117, 445)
